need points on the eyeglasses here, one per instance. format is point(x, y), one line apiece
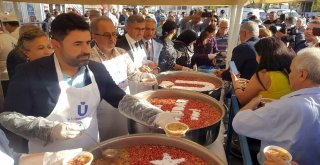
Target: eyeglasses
point(108, 35)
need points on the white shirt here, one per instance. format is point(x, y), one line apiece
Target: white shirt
point(15, 33)
point(293, 122)
point(7, 43)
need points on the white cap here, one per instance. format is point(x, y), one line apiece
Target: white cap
point(8, 17)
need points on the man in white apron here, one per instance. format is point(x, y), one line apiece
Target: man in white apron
point(67, 87)
point(121, 68)
point(132, 43)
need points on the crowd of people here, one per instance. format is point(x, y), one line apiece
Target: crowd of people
point(72, 82)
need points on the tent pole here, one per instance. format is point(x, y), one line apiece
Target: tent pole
point(231, 32)
point(233, 38)
point(1, 6)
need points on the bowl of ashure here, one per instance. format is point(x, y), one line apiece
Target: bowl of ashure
point(153, 149)
point(83, 158)
point(176, 129)
point(276, 151)
point(200, 120)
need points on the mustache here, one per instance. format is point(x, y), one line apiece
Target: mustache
point(83, 55)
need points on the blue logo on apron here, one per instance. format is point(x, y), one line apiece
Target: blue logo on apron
point(82, 104)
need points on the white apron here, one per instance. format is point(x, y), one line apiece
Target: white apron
point(116, 125)
point(78, 105)
point(117, 69)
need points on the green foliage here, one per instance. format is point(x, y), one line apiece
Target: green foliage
point(316, 5)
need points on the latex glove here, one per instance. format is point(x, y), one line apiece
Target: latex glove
point(165, 118)
point(186, 69)
point(148, 79)
point(66, 130)
point(56, 158)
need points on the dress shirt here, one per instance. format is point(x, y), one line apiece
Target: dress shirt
point(293, 122)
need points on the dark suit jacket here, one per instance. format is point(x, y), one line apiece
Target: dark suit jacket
point(300, 45)
point(34, 89)
point(123, 43)
point(244, 56)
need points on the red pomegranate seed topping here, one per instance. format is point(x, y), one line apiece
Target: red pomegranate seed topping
point(207, 113)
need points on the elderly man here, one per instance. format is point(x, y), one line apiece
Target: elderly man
point(68, 87)
point(152, 45)
point(222, 35)
point(293, 122)
point(130, 42)
point(94, 14)
point(121, 68)
point(310, 39)
point(244, 55)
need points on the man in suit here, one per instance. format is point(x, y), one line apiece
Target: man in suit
point(310, 39)
point(244, 55)
point(131, 41)
point(67, 87)
point(152, 45)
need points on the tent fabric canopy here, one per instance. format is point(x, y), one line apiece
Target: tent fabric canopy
point(140, 2)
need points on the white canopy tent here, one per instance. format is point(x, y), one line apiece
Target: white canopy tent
point(235, 5)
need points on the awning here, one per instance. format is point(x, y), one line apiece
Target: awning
point(140, 2)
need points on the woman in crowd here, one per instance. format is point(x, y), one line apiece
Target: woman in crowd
point(169, 55)
point(205, 49)
point(32, 44)
point(184, 47)
point(271, 77)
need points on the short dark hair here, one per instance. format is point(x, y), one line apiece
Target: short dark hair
point(275, 56)
point(12, 23)
point(66, 22)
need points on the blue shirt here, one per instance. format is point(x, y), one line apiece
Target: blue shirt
point(77, 80)
point(293, 122)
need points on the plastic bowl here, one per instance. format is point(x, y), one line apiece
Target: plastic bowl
point(278, 152)
point(176, 129)
point(83, 158)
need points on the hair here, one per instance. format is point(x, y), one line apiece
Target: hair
point(274, 56)
point(205, 34)
point(263, 32)
point(187, 37)
point(150, 20)
point(224, 20)
point(291, 20)
point(250, 27)
point(94, 11)
point(135, 18)
point(26, 28)
point(94, 23)
point(66, 22)
point(12, 23)
point(308, 59)
point(28, 36)
point(167, 28)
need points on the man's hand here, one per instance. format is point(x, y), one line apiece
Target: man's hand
point(165, 118)
point(253, 104)
point(56, 158)
point(66, 130)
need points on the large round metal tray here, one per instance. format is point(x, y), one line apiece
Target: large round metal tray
point(203, 136)
point(208, 77)
point(157, 139)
